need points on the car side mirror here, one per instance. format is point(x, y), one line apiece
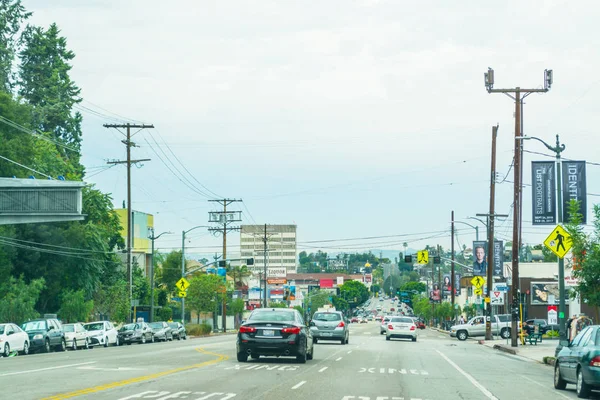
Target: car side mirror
point(50, 328)
point(564, 342)
point(311, 323)
point(243, 321)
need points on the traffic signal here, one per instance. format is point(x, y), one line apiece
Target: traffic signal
point(222, 263)
point(437, 260)
point(250, 261)
point(408, 259)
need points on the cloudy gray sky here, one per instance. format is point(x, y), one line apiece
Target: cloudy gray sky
point(351, 119)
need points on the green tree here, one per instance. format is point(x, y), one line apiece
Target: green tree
point(13, 15)
point(169, 271)
point(111, 301)
point(17, 299)
point(549, 256)
point(203, 293)
point(239, 273)
point(317, 299)
point(422, 307)
point(354, 293)
point(141, 286)
point(74, 307)
point(418, 287)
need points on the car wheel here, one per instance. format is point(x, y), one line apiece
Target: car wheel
point(559, 382)
point(6, 351)
point(381, 332)
point(255, 356)
point(348, 340)
point(343, 341)
point(117, 341)
point(25, 350)
point(74, 345)
point(388, 338)
point(184, 337)
point(87, 344)
point(462, 335)
point(62, 346)
point(583, 389)
point(152, 338)
point(178, 337)
point(310, 355)
point(105, 342)
point(242, 357)
point(414, 339)
point(47, 346)
point(301, 358)
point(143, 339)
point(505, 333)
point(315, 340)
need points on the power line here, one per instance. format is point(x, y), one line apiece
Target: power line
point(26, 167)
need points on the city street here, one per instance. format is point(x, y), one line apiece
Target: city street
point(369, 367)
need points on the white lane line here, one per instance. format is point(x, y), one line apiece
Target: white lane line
point(350, 352)
point(298, 385)
point(46, 369)
point(545, 387)
point(478, 385)
point(323, 369)
point(338, 359)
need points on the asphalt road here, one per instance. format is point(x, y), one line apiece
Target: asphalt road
point(435, 367)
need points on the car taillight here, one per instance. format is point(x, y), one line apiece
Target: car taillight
point(341, 324)
point(294, 330)
point(391, 327)
point(595, 362)
point(247, 329)
point(412, 328)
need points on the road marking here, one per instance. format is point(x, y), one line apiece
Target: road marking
point(350, 352)
point(154, 394)
point(298, 385)
point(338, 359)
point(402, 371)
point(478, 385)
point(46, 369)
point(112, 385)
point(545, 387)
point(323, 369)
point(92, 368)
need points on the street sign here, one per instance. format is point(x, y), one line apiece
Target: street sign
point(497, 298)
point(367, 265)
point(500, 287)
point(552, 315)
point(423, 257)
point(487, 299)
point(182, 293)
point(478, 291)
point(477, 281)
point(182, 284)
point(559, 241)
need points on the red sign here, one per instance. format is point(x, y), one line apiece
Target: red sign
point(326, 283)
point(552, 308)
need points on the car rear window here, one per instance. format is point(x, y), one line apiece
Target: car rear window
point(402, 320)
point(94, 327)
point(69, 328)
point(272, 316)
point(320, 316)
point(504, 318)
point(34, 326)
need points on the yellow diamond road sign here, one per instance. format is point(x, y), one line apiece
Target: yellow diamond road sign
point(182, 293)
point(423, 257)
point(478, 291)
point(182, 284)
point(559, 241)
point(478, 281)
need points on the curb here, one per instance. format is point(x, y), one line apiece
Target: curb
point(505, 349)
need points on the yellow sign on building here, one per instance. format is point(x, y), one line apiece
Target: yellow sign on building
point(559, 241)
point(423, 257)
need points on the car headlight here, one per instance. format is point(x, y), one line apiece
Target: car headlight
point(38, 336)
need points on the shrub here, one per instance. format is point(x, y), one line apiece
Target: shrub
point(165, 314)
point(198, 329)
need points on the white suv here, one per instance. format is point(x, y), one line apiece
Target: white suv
point(102, 333)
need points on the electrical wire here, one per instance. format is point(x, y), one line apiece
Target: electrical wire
point(249, 214)
point(26, 167)
point(562, 159)
point(35, 134)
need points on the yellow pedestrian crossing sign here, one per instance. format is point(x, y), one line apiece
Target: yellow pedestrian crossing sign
point(559, 241)
point(478, 291)
point(182, 284)
point(182, 293)
point(423, 257)
point(477, 281)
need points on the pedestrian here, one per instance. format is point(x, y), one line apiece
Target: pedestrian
point(462, 320)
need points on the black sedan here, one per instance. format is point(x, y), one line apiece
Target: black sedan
point(178, 330)
point(274, 332)
point(162, 331)
point(136, 333)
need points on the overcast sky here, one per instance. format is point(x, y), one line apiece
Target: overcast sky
point(351, 119)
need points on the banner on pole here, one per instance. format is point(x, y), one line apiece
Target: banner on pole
point(574, 188)
point(544, 192)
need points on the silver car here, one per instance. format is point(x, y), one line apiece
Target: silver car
point(383, 326)
point(330, 325)
point(401, 327)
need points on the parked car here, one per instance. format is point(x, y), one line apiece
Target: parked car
point(178, 330)
point(354, 319)
point(363, 320)
point(383, 325)
point(401, 327)
point(44, 334)
point(13, 338)
point(329, 325)
point(162, 331)
point(139, 332)
point(544, 326)
point(476, 327)
point(102, 333)
point(420, 323)
point(578, 362)
point(76, 336)
point(274, 332)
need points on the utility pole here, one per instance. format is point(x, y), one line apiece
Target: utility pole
point(265, 240)
point(452, 277)
point(515, 289)
point(223, 218)
point(491, 263)
point(129, 144)
point(153, 238)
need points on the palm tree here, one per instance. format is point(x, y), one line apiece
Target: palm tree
point(238, 273)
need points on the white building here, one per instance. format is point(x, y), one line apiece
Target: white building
point(281, 258)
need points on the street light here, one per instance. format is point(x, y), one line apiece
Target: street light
point(472, 226)
point(153, 238)
point(559, 148)
point(183, 233)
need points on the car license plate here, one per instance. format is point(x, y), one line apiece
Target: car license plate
point(268, 332)
point(326, 334)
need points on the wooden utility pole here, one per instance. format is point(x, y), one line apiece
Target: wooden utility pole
point(129, 144)
point(490, 231)
point(452, 277)
point(224, 218)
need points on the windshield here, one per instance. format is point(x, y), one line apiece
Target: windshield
point(156, 325)
point(128, 327)
point(69, 328)
point(319, 316)
point(174, 325)
point(98, 326)
point(34, 326)
point(272, 316)
point(2, 329)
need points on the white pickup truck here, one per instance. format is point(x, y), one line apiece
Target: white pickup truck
point(476, 327)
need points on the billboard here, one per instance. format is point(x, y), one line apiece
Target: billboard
point(435, 294)
point(480, 261)
point(574, 188)
point(447, 285)
point(326, 283)
point(543, 293)
point(543, 178)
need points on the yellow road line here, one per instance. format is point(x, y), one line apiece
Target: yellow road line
point(95, 389)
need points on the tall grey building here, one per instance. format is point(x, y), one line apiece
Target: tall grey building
point(281, 248)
